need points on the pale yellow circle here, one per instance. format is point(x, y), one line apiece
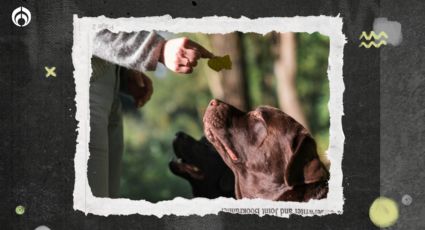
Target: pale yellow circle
point(383, 212)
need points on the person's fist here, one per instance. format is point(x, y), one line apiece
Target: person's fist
point(181, 55)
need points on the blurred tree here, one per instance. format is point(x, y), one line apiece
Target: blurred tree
point(233, 82)
point(313, 85)
point(285, 70)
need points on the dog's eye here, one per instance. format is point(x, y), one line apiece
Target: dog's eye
point(229, 122)
point(229, 135)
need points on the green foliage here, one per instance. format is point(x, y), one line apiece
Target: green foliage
point(178, 103)
point(313, 84)
point(259, 62)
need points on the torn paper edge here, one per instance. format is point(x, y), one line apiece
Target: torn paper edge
point(84, 31)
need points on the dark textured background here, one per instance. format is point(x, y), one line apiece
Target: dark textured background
point(383, 123)
point(403, 114)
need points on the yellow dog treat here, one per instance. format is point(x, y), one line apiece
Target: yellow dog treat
point(219, 63)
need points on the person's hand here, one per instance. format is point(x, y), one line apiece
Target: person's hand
point(140, 87)
point(181, 55)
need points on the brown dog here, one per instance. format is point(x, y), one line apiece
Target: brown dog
point(271, 155)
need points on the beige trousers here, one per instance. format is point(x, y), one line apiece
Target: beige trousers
point(106, 130)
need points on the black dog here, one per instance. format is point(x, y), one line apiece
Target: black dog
point(200, 164)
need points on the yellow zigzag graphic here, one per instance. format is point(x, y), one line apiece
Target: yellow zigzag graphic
point(372, 34)
point(372, 43)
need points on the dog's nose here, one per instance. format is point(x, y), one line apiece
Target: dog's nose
point(180, 134)
point(214, 102)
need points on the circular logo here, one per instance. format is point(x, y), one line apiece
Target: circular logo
point(21, 16)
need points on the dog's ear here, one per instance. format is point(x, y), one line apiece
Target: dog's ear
point(304, 166)
point(258, 129)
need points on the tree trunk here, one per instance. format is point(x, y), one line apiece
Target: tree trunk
point(285, 70)
point(232, 84)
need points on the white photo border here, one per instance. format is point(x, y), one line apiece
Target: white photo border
point(84, 31)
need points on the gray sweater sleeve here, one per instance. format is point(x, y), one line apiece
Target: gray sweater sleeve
point(136, 50)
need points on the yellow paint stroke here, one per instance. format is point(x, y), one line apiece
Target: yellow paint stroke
point(367, 46)
point(372, 34)
point(50, 71)
point(219, 63)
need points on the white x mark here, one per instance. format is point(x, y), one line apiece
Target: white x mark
point(50, 71)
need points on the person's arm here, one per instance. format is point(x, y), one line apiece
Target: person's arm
point(143, 50)
point(138, 51)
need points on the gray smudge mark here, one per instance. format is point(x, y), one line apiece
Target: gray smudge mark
point(391, 28)
point(406, 200)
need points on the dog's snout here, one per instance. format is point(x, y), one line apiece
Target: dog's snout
point(215, 114)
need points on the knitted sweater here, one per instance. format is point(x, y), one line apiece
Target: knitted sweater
point(138, 51)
